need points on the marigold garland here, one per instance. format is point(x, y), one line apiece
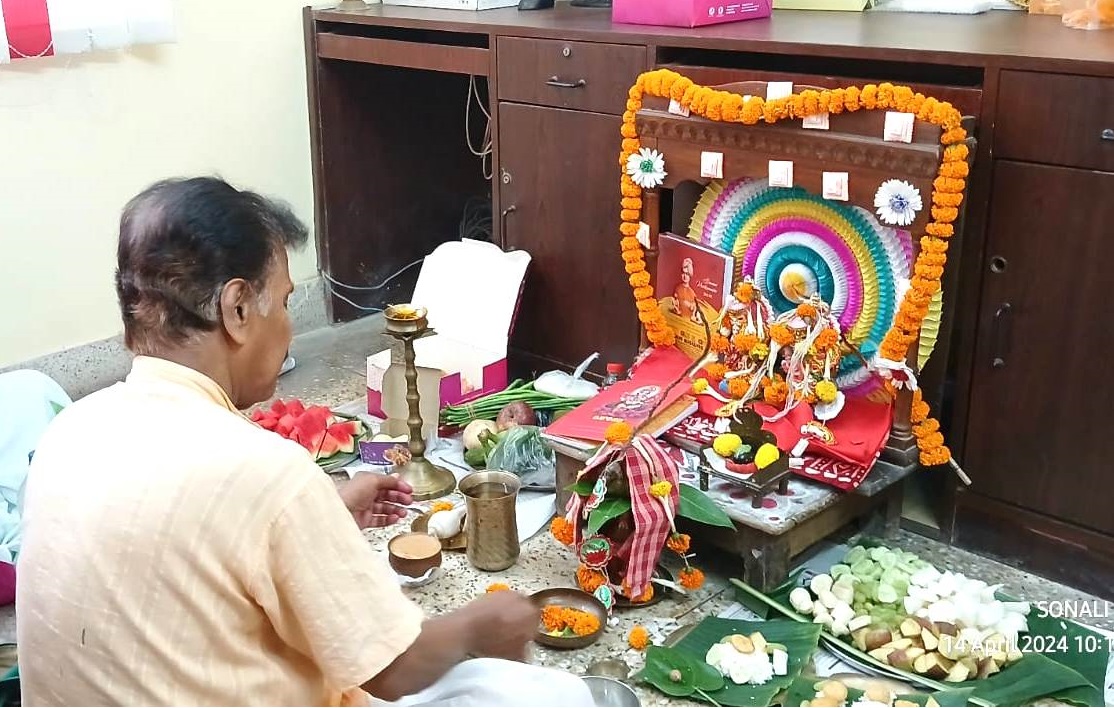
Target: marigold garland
point(639, 638)
point(562, 530)
point(727, 106)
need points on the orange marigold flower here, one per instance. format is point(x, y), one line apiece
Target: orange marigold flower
point(633, 256)
point(744, 292)
point(638, 638)
point(628, 228)
point(775, 393)
point(562, 530)
point(806, 310)
point(630, 214)
point(639, 280)
point(630, 243)
point(618, 433)
point(497, 587)
point(679, 543)
point(557, 619)
point(440, 506)
point(781, 334)
point(738, 387)
point(826, 339)
point(636, 266)
point(631, 202)
point(643, 293)
point(589, 579)
point(691, 578)
point(716, 371)
point(744, 342)
point(646, 596)
point(719, 343)
point(646, 305)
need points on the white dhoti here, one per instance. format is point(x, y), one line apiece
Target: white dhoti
point(495, 682)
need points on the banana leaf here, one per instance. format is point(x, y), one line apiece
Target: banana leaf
point(804, 689)
point(1082, 649)
point(799, 640)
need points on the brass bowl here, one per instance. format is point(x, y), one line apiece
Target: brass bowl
point(573, 598)
point(399, 323)
point(411, 567)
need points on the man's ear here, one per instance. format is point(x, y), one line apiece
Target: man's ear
point(237, 308)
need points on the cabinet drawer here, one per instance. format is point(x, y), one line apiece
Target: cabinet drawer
point(585, 76)
point(1055, 119)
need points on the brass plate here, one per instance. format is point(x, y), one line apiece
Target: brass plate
point(576, 599)
point(457, 543)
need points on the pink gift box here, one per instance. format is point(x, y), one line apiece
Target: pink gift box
point(688, 13)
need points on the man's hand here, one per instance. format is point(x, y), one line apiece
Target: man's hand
point(367, 496)
point(504, 623)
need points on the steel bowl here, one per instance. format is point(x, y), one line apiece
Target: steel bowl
point(609, 692)
point(576, 599)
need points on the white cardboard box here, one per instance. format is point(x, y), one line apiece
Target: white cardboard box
point(455, 4)
point(471, 290)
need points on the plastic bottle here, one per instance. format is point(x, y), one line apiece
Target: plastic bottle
point(615, 371)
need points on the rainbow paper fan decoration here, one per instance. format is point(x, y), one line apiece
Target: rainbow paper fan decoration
point(794, 243)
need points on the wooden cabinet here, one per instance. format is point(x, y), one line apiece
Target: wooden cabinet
point(576, 300)
point(1041, 398)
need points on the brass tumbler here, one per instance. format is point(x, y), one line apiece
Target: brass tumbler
point(491, 525)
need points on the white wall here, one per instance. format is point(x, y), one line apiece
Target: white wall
point(80, 135)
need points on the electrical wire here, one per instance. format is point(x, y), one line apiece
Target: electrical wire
point(485, 150)
point(332, 284)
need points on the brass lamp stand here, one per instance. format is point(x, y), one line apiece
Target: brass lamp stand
point(408, 323)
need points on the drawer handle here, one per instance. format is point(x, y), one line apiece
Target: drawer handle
point(557, 83)
point(1108, 133)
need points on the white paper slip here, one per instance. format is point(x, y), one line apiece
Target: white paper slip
point(835, 186)
point(781, 173)
point(711, 165)
point(643, 234)
point(778, 89)
point(818, 121)
point(898, 128)
point(677, 109)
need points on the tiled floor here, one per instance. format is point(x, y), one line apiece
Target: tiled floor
point(331, 370)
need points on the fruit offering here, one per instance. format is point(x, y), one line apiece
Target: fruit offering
point(832, 693)
point(316, 428)
point(750, 660)
point(907, 614)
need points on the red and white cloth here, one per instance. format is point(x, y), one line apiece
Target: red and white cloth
point(644, 462)
point(42, 28)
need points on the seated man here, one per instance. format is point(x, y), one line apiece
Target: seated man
point(176, 553)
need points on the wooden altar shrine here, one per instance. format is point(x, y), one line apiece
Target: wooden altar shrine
point(857, 145)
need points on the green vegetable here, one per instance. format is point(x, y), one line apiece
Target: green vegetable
point(489, 407)
point(476, 457)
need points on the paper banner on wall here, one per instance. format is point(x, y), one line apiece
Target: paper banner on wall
point(41, 28)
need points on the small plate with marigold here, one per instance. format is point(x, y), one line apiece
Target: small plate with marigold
point(568, 618)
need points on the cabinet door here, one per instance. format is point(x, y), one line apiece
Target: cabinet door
point(1043, 390)
point(560, 176)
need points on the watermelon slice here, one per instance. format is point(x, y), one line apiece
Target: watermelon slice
point(315, 428)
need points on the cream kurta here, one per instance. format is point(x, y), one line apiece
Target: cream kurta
point(176, 553)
